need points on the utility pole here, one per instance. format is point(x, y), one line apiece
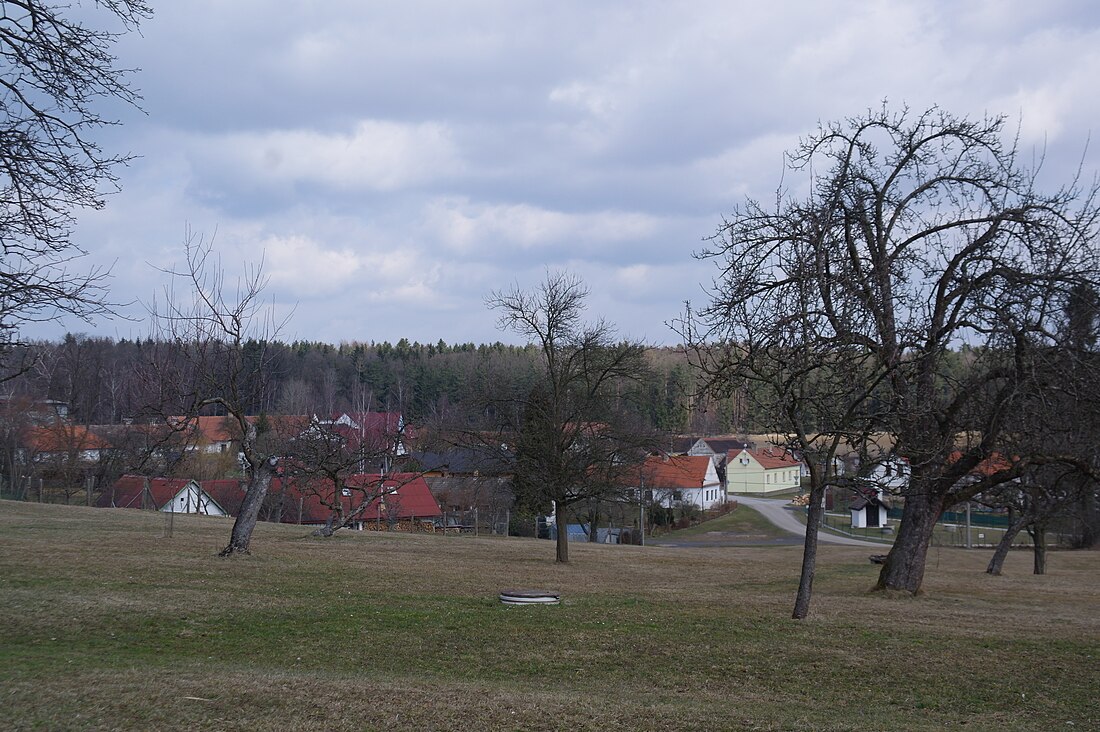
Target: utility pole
point(968, 525)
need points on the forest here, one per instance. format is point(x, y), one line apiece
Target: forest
point(104, 381)
point(103, 384)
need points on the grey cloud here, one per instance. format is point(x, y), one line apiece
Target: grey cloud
point(417, 155)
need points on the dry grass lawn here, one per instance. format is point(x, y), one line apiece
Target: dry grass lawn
point(107, 623)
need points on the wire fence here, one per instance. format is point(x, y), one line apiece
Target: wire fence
point(985, 530)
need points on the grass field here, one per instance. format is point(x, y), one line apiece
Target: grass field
point(107, 623)
point(742, 522)
point(944, 534)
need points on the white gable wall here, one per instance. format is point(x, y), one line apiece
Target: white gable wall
point(705, 496)
point(193, 499)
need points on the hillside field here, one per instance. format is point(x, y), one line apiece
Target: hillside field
point(109, 622)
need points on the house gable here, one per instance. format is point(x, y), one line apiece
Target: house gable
point(173, 495)
point(762, 471)
point(679, 480)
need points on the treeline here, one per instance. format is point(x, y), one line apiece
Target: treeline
point(108, 381)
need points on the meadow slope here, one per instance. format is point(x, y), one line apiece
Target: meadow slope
point(110, 623)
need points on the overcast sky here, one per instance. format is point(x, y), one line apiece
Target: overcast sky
point(393, 163)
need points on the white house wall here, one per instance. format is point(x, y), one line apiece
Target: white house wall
point(193, 499)
point(754, 478)
point(704, 498)
point(898, 479)
point(859, 518)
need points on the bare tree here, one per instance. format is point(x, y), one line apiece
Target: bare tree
point(223, 365)
point(56, 72)
point(817, 402)
point(328, 460)
point(572, 442)
point(919, 234)
point(15, 420)
point(1033, 502)
point(296, 396)
point(1055, 428)
point(65, 455)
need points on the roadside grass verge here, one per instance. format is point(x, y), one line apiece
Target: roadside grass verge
point(944, 534)
point(110, 624)
point(742, 521)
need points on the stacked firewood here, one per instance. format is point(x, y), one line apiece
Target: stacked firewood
point(404, 526)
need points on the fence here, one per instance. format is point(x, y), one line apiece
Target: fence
point(986, 530)
point(476, 521)
point(40, 490)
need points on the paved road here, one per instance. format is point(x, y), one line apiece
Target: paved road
point(775, 510)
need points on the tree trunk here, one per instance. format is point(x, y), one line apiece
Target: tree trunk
point(809, 554)
point(327, 529)
point(593, 522)
point(996, 563)
point(1038, 535)
point(904, 565)
point(563, 534)
point(1089, 513)
point(241, 537)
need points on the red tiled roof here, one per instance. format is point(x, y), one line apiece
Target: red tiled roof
point(769, 458)
point(228, 493)
point(62, 437)
point(377, 430)
point(406, 494)
point(676, 471)
point(992, 465)
point(209, 430)
point(127, 491)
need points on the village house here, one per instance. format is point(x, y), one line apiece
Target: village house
point(219, 434)
point(374, 500)
point(675, 481)
point(60, 440)
point(767, 470)
point(377, 432)
point(169, 495)
point(718, 449)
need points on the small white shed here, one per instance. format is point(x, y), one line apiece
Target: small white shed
point(868, 512)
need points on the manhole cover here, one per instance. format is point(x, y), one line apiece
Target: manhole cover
point(530, 597)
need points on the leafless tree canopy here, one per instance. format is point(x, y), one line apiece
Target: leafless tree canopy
point(225, 332)
point(915, 238)
point(56, 74)
point(343, 468)
point(572, 441)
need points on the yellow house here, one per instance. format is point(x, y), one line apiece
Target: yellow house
point(762, 471)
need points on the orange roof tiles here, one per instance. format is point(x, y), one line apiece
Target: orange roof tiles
point(676, 471)
point(771, 458)
point(62, 437)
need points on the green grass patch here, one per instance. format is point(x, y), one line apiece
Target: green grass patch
point(108, 623)
point(742, 521)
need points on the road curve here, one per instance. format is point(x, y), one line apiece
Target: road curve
point(776, 511)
